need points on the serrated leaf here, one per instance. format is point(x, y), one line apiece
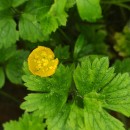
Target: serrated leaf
point(29, 28)
point(2, 77)
point(62, 53)
point(14, 70)
point(8, 33)
point(26, 122)
point(89, 10)
point(117, 94)
point(95, 75)
point(18, 2)
point(52, 92)
point(100, 88)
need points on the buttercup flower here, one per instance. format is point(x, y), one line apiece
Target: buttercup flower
point(41, 62)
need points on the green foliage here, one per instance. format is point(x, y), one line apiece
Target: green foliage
point(8, 33)
point(96, 87)
point(11, 61)
point(122, 66)
point(94, 75)
point(16, 3)
point(70, 3)
point(52, 92)
point(7, 53)
point(91, 41)
point(78, 46)
point(122, 45)
point(26, 122)
point(62, 53)
point(84, 93)
point(5, 4)
point(70, 118)
point(100, 88)
point(10, 3)
point(28, 27)
point(13, 68)
point(88, 8)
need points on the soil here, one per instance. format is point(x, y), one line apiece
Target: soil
point(11, 96)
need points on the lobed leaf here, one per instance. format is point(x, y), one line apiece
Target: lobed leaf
point(92, 76)
point(100, 88)
point(89, 10)
point(52, 92)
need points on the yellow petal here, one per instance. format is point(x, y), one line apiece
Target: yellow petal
point(41, 62)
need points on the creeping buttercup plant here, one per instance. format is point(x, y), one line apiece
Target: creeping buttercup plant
point(71, 57)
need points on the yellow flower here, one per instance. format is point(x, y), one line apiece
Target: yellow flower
point(41, 62)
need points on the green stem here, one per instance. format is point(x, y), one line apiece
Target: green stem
point(9, 96)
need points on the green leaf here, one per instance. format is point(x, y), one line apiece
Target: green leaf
point(51, 92)
point(7, 53)
point(69, 118)
point(30, 29)
point(122, 66)
point(8, 33)
point(89, 10)
point(100, 88)
point(58, 10)
point(70, 3)
point(4, 4)
point(122, 44)
point(38, 7)
point(50, 14)
point(95, 75)
point(54, 18)
point(18, 2)
point(14, 70)
point(117, 94)
point(48, 24)
point(96, 118)
point(2, 77)
point(78, 46)
point(62, 53)
point(26, 122)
